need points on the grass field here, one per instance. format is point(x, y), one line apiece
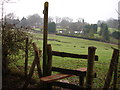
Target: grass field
point(77, 46)
point(80, 46)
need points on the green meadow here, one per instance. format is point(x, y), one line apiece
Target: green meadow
point(75, 46)
point(79, 46)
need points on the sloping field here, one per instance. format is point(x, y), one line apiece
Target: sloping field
point(79, 46)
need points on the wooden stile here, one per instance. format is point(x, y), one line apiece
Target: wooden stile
point(64, 73)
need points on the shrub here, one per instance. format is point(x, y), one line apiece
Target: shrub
point(116, 34)
point(13, 41)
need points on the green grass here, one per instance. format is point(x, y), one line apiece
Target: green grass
point(59, 29)
point(78, 46)
point(111, 30)
point(38, 29)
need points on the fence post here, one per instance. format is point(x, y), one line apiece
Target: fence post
point(45, 12)
point(81, 81)
point(49, 62)
point(26, 57)
point(90, 65)
point(111, 69)
point(116, 71)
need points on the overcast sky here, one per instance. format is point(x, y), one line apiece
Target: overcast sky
point(90, 10)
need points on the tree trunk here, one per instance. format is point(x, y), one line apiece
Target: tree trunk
point(4, 61)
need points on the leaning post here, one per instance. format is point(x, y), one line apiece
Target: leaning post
point(45, 32)
point(112, 68)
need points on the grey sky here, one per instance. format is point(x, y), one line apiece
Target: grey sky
point(90, 10)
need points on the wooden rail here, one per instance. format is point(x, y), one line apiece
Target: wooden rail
point(67, 85)
point(64, 54)
point(69, 71)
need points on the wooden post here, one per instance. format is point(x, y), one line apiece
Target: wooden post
point(38, 64)
point(116, 71)
point(30, 74)
point(33, 66)
point(37, 56)
point(26, 57)
point(90, 74)
point(45, 12)
point(81, 81)
point(49, 66)
point(49, 63)
point(111, 69)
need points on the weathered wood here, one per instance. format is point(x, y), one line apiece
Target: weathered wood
point(90, 65)
point(116, 72)
point(26, 57)
point(37, 56)
point(30, 74)
point(111, 69)
point(59, 76)
point(38, 64)
point(35, 61)
point(54, 77)
point(49, 62)
point(81, 81)
point(77, 72)
point(64, 54)
point(66, 85)
point(45, 12)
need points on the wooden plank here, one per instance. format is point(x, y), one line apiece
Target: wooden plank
point(77, 72)
point(45, 32)
point(66, 85)
point(90, 73)
point(64, 54)
point(59, 76)
point(111, 69)
point(54, 77)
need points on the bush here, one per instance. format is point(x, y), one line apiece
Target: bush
point(116, 34)
point(13, 41)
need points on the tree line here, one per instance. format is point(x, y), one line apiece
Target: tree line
point(66, 25)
